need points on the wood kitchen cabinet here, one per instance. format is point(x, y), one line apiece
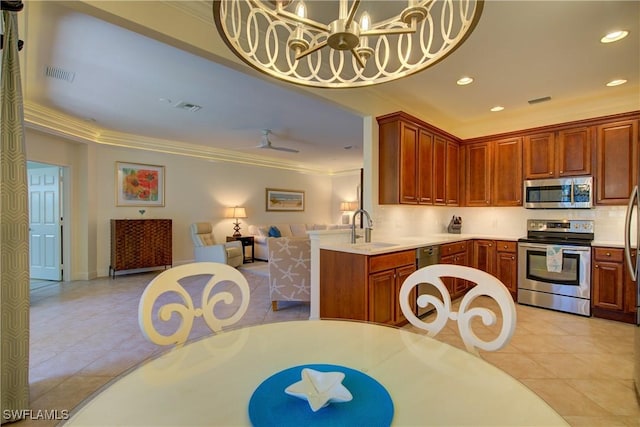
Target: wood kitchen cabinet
point(507, 265)
point(368, 290)
point(506, 189)
point(477, 174)
point(484, 255)
point(439, 171)
point(617, 161)
point(452, 174)
point(555, 154)
point(140, 243)
point(498, 258)
point(493, 173)
point(417, 164)
point(613, 292)
point(455, 253)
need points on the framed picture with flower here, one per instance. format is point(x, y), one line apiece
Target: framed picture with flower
point(139, 184)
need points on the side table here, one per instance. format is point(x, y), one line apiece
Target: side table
point(247, 241)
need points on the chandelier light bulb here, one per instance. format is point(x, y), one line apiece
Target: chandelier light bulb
point(365, 21)
point(301, 10)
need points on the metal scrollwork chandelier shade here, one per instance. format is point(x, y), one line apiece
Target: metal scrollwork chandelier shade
point(342, 43)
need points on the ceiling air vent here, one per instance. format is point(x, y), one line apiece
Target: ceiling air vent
point(60, 74)
point(188, 106)
point(539, 100)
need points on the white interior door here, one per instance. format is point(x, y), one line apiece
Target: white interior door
point(44, 223)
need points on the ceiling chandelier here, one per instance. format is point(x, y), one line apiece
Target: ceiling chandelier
point(337, 44)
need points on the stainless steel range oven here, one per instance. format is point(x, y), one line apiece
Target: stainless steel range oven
point(554, 265)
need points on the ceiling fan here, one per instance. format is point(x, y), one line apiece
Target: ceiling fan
point(266, 143)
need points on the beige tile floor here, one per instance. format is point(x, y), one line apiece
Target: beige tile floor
point(85, 333)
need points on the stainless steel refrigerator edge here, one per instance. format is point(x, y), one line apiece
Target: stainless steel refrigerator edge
point(634, 204)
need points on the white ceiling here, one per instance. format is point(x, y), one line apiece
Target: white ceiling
point(126, 84)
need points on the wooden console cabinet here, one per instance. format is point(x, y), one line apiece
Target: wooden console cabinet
point(140, 243)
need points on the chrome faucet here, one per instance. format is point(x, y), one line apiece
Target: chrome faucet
point(367, 230)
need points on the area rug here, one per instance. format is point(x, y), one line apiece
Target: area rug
point(258, 268)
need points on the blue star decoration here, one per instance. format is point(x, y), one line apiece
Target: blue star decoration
point(320, 388)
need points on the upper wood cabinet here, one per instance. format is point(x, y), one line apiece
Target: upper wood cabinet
point(554, 154)
point(617, 163)
point(439, 171)
point(507, 172)
point(493, 173)
point(539, 155)
point(452, 174)
point(417, 165)
point(477, 174)
point(425, 167)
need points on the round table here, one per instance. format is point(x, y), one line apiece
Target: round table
point(211, 381)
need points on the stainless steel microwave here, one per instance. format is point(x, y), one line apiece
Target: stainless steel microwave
point(559, 193)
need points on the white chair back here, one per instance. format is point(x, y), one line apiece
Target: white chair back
point(486, 284)
point(168, 282)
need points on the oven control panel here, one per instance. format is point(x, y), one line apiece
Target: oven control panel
point(560, 226)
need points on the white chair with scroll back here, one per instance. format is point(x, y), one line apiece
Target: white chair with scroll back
point(485, 284)
point(220, 294)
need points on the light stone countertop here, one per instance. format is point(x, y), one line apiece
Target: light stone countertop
point(386, 244)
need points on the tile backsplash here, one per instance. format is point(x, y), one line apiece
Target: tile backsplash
point(508, 222)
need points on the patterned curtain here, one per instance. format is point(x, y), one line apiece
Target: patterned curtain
point(14, 229)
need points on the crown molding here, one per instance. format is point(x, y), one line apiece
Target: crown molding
point(53, 122)
point(199, 9)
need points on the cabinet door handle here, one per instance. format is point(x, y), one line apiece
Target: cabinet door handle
point(550, 173)
point(490, 245)
point(513, 257)
point(608, 253)
point(597, 266)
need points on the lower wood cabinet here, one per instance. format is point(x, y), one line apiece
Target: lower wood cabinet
point(507, 265)
point(500, 259)
point(368, 289)
point(613, 292)
point(455, 253)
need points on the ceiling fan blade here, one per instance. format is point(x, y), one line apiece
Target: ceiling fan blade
point(289, 150)
point(265, 142)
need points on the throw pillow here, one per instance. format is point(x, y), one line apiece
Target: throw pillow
point(274, 232)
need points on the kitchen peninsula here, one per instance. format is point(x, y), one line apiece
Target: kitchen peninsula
point(362, 281)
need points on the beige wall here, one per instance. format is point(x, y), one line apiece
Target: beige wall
point(196, 190)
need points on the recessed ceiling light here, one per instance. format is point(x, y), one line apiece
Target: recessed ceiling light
point(614, 36)
point(616, 82)
point(464, 81)
point(497, 108)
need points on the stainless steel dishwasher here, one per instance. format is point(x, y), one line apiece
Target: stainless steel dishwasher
point(427, 255)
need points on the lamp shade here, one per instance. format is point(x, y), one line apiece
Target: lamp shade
point(348, 206)
point(235, 212)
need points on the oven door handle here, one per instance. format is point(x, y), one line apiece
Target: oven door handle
point(544, 248)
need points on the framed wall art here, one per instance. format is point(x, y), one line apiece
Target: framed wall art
point(139, 184)
point(284, 200)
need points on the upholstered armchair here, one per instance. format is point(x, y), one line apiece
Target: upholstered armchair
point(289, 269)
point(205, 248)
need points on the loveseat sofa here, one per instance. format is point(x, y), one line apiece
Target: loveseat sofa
point(261, 232)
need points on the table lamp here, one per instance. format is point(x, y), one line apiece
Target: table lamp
point(236, 212)
point(347, 207)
